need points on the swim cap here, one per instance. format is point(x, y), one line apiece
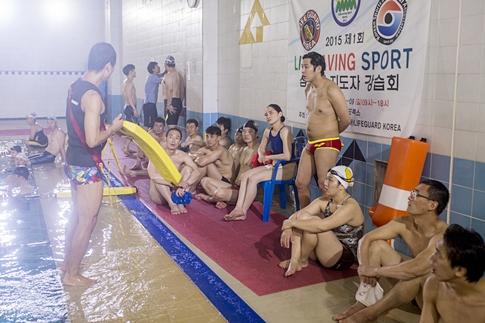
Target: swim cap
point(239, 129)
point(251, 124)
point(52, 117)
point(32, 115)
point(16, 148)
point(22, 171)
point(344, 175)
point(170, 61)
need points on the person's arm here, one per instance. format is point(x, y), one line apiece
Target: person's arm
point(315, 224)
point(315, 207)
point(92, 105)
point(286, 138)
point(194, 175)
point(339, 104)
point(208, 158)
point(416, 267)
point(61, 138)
point(263, 145)
point(430, 314)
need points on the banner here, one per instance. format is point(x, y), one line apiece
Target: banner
point(374, 50)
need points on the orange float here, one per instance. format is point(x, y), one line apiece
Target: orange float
point(403, 174)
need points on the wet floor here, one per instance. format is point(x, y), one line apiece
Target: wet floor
point(139, 281)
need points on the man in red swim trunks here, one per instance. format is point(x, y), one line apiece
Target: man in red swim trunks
point(328, 117)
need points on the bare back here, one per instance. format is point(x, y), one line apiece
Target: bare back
point(326, 104)
point(175, 82)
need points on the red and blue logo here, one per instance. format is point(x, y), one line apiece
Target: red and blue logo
point(388, 20)
point(309, 25)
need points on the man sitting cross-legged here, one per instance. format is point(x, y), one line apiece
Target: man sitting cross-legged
point(223, 193)
point(420, 230)
point(157, 132)
point(214, 160)
point(455, 291)
point(160, 189)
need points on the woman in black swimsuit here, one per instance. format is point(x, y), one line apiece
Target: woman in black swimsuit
point(327, 231)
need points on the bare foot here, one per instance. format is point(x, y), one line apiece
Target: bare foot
point(174, 209)
point(286, 263)
point(358, 306)
point(201, 197)
point(292, 269)
point(182, 209)
point(235, 215)
point(81, 267)
point(78, 280)
point(221, 205)
point(129, 172)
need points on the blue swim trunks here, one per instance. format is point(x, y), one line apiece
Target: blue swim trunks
point(82, 175)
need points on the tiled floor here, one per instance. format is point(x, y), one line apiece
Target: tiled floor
point(157, 290)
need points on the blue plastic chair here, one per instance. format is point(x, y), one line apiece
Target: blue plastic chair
point(268, 186)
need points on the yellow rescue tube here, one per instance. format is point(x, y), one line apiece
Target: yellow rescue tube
point(106, 192)
point(157, 155)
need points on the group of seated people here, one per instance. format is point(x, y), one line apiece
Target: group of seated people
point(44, 150)
point(447, 262)
point(228, 173)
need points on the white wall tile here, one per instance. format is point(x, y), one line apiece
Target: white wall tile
point(465, 144)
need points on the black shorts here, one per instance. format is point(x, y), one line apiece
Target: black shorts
point(225, 180)
point(346, 260)
point(130, 114)
point(173, 119)
point(149, 114)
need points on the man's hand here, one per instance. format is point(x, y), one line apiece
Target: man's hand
point(286, 238)
point(171, 109)
point(368, 274)
point(135, 112)
point(286, 225)
point(184, 185)
point(117, 124)
point(180, 191)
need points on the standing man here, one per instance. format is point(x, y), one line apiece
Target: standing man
point(151, 94)
point(56, 145)
point(457, 271)
point(173, 90)
point(129, 95)
point(85, 114)
point(328, 117)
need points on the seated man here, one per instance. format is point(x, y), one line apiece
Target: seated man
point(193, 140)
point(56, 145)
point(224, 124)
point(214, 160)
point(37, 137)
point(327, 231)
point(236, 150)
point(157, 132)
point(221, 192)
point(420, 230)
point(20, 179)
point(160, 189)
point(455, 291)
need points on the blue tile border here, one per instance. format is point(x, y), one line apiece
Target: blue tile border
point(227, 302)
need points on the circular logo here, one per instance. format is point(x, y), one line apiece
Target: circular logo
point(345, 11)
point(388, 20)
point(309, 25)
